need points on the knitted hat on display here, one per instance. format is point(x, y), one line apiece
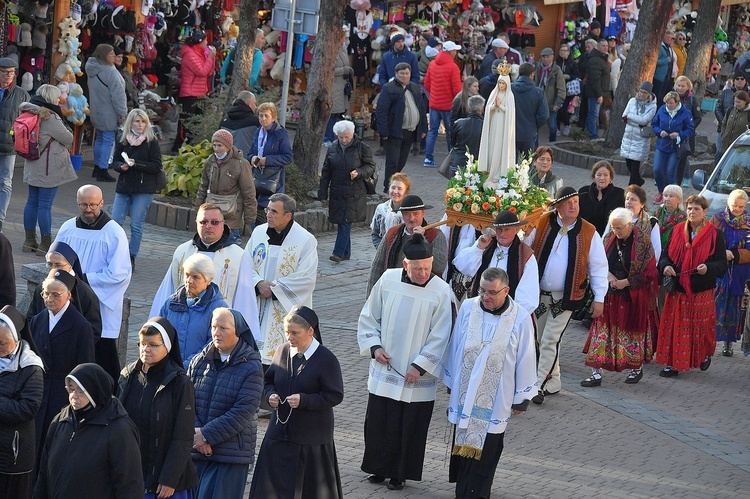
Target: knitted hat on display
point(223, 136)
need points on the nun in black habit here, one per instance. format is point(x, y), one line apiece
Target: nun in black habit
point(303, 384)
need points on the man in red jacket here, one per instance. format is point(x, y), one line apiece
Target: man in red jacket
point(442, 82)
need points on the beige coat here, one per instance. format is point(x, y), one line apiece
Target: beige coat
point(53, 168)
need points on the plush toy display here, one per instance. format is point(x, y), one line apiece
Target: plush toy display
point(64, 72)
point(78, 106)
point(64, 87)
point(73, 60)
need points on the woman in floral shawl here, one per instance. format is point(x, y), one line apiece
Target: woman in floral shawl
point(694, 259)
point(735, 223)
point(670, 213)
point(620, 338)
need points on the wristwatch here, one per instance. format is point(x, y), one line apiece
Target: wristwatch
point(204, 439)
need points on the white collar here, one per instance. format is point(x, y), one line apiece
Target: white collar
point(308, 353)
point(560, 222)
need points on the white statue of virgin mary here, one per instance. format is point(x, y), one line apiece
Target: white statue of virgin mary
point(497, 149)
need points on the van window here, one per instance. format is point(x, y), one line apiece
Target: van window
point(734, 171)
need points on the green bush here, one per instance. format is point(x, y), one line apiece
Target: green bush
point(184, 170)
point(207, 120)
point(295, 184)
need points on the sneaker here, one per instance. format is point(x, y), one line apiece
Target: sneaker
point(429, 163)
point(658, 199)
point(566, 130)
point(685, 182)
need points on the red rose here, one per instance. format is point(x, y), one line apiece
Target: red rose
point(486, 206)
point(512, 209)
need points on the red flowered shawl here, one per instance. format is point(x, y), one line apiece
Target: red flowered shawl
point(686, 255)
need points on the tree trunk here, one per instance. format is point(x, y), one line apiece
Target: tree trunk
point(243, 54)
point(701, 46)
point(640, 64)
point(318, 99)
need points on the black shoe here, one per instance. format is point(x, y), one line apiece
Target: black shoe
point(586, 322)
point(634, 377)
point(376, 479)
point(727, 352)
point(95, 171)
point(104, 176)
point(668, 372)
point(706, 363)
point(538, 399)
point(394, 484)
point(591, 381)
point(132, 262)
point(380, 152)
point(334, 258)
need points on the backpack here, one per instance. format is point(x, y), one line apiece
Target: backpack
point(26, 136)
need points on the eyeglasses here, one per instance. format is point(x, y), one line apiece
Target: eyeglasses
point(492, 293)
point(150, 346)
point(740, 78)
point(8, 72)
point(210, 222)
point(51, 265)
point(91, 206)
point(56, 296)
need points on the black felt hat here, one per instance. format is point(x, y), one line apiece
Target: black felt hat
point(417, 248)
point(508, 219)
point(562, 194)
point(413, 202)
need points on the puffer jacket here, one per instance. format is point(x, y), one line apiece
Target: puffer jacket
point(735, 123)
point(243, 124)
point(341, 70)
point(53, 168)
point(170, 427)
point(106, 95)
point(21, 389)
point(597, 77)
point(9, 111)
point(466, 134)
point(348, 198)
point(554, 91)
point(638, 114)
point(724, 104)
point(227, 396)
point(140, 178)
point(442, 82)
point(233, 175)
point(682, 123)
point(196, 70)
point(193, 324)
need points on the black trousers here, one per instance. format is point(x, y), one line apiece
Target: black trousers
point(396, 154)
point(634, 167)
point(18, 486)
point(105, 353)
point(473, 478)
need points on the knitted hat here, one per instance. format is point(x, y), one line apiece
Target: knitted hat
point(595, 25)
point(223, 136)
point(417, 248)
point(397, 37)
point(433, 41)
point(647, 86)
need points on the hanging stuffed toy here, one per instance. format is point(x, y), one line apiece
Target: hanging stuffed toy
point(78, 106)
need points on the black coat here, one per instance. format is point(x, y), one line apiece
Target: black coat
point(466, 133)
point(98, 457)
point(82, 298)
point(140, 178)
point(172, 420)
point(20, 397)
point(391, 105)
point(7, 273)
point(70, 343)
point(597, 212)
point(597, 76)
point(347, 197)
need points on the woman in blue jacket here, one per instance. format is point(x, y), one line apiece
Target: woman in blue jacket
point(271, 150)
point(673, 126)
point(189, 308)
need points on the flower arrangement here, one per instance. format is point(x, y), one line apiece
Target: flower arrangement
point(466, 194)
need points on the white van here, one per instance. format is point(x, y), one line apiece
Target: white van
point(732, 172)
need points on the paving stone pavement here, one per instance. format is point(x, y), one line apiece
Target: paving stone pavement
point(682, 437)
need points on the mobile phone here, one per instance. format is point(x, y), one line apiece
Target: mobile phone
point(127, 158)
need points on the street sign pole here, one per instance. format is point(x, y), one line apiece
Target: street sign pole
point(288, 62)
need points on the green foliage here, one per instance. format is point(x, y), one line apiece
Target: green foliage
point(207, 120)
point(295, 184)
point(184, 170)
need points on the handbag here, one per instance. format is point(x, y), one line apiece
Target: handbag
point(683, 149)
point(227, 202)
point(647, 132)
point(266, 180)
point(672, 284)
point(445, 167)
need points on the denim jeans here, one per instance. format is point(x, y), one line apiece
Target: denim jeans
point(435, 118)
point(330, 136)
point(343, 246)
point(39, 209)
point(235, 234)
point(552, 125)
point(592, 116)
point(138, 205)
point(103, 147)
point(665, 167)
point(718, 148)
point(7, 163)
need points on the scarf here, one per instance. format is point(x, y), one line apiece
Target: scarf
point(674, 111)
point(667, 221)
point(544, 72)
point(480, 380)
point(741, 222)
point(688, 255)
point(135, 140)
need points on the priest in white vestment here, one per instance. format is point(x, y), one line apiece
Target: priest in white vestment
point(284, 271)
point(404, 328)
point(499, 246)
point(102, 249)
point(490, 369)
point(232, 265)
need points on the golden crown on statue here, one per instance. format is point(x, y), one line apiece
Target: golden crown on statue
point(503, 68)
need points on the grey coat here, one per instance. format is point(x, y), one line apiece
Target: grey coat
point(340, 71)
point(53, 168)
point(633, 145)
point(106, 95)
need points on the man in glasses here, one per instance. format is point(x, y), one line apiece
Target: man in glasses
point(483, 394)
point(284, 271)
point(232, 265)
point(102, 249)
point(11, 97)
point(499, 246)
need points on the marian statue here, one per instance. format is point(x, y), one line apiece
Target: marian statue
point(497, 150)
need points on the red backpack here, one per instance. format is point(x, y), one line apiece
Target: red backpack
point(26, 136)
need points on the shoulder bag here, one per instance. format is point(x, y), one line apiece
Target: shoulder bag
point(371, 182)
point(227, 202)
point(647, 132)
point(266, 180)
point(445, 167)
